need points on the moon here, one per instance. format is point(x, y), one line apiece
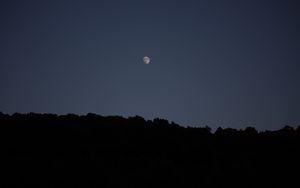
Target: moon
point(146, 60)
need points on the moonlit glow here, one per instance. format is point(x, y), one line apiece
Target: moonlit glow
point(146, 60)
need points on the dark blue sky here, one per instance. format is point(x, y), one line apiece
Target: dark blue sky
point(218, 63)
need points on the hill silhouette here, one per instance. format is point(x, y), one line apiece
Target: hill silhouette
point(48, 150)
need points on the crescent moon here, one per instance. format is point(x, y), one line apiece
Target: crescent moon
point(146, 60)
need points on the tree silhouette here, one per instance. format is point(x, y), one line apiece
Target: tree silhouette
point(49, 150)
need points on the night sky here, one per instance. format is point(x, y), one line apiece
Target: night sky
point(230, 63)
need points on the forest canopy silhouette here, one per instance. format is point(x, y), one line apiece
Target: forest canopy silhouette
point(49, 150)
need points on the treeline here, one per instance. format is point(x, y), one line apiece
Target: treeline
point(48, 150)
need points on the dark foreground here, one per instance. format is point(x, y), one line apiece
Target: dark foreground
point(95, 151)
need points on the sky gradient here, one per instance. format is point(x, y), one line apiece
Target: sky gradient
point(218, 63)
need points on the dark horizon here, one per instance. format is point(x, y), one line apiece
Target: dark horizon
point(217, 63)
point(93, 151)
point(129, 118)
